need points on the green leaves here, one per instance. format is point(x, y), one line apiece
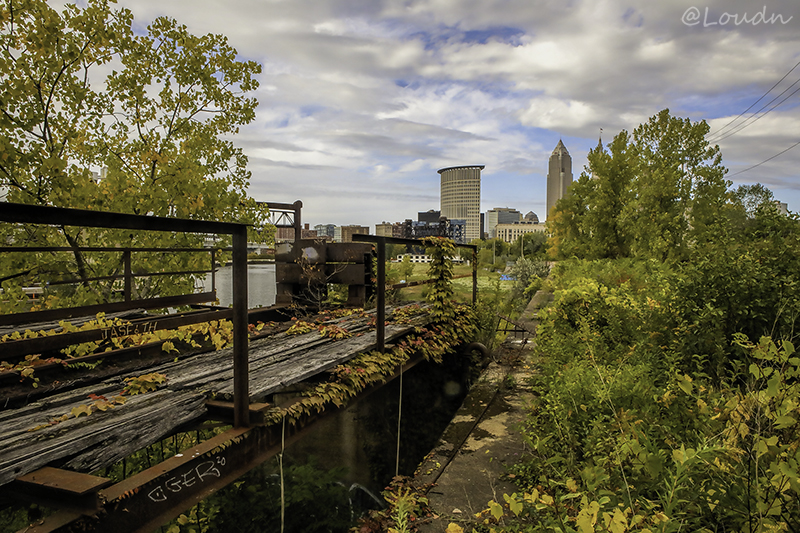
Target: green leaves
point(159, 125)
point(653, 194)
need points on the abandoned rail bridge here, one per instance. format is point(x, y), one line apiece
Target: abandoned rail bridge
point(51, 454)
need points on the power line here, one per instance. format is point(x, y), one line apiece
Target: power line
point(754, 120)
point(757, 101)
point(766, 160)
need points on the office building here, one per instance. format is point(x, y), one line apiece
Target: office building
point(430, 215)
point(461, 197)
point(559, 175)
point(345, 233)
point(500, 215)
point(510, 232)
point(325, 230)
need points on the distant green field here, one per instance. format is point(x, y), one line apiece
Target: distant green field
point(462, 287)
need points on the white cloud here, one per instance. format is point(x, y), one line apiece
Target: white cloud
point(362, 100)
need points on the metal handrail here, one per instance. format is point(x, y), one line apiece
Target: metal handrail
point(46, 215)
point(380, 304)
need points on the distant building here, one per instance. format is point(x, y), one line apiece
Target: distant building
point(531, 217)
point(425, 258)
point(559, 175)
point(287, 234)
point(429, 216)
point(306, 233)
point(97, 177)
point(500, 215)
point(345, 233)
point(442, 227)
point(783, 207)
point(461, 197)
point(510, 232)
point(325, 230)
point(384, 229)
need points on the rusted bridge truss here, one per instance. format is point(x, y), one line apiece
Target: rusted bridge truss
point(151, 498)
point(285, 216)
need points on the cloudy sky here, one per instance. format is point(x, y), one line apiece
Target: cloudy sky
point(361, 101)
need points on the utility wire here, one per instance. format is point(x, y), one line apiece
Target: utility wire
point(766, 160)
point(753, 120)
point(757, 101)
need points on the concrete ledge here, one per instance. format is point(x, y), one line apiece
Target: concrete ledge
point(484, 437)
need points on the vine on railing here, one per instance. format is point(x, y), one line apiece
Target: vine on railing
point(440, 250)
point(452, 325)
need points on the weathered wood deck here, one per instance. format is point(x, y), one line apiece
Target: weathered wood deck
point(88, 443)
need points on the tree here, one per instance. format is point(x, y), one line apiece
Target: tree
point(750, 197)
point(612, 177)
point(528, 245)
point(680, 189)
point(406, 268)
point(159, 124)
point(655, 194)
point(568, 224)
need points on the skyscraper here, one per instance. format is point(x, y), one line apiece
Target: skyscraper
point(461, 197)
point(559, 175)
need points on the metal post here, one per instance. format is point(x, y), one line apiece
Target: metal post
point(214, 271)
point(126, 259)
point(241, 378)
point(380, 320)
point(474, 276)
point(298, 226)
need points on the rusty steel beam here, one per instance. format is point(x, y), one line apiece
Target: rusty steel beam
point(150, 499)
point(241, 378)
point(52, 486)
point(91, 310)
point(59, 216)
point(380, 305)
point(298, 227)
point(127, 278)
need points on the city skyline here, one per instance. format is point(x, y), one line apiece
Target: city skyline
point(360, 103)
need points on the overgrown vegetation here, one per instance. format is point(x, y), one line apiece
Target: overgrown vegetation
point(668, 395)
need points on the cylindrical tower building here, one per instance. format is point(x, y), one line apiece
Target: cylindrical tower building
point(461, 197)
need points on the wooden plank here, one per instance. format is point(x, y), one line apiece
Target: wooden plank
point(90, 442)
point(271, 378)
point(77, 322)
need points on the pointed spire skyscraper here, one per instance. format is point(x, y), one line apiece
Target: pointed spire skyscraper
point(559, 175)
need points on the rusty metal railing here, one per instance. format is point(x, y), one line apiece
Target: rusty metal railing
point(380, 296)
point(44, 215)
